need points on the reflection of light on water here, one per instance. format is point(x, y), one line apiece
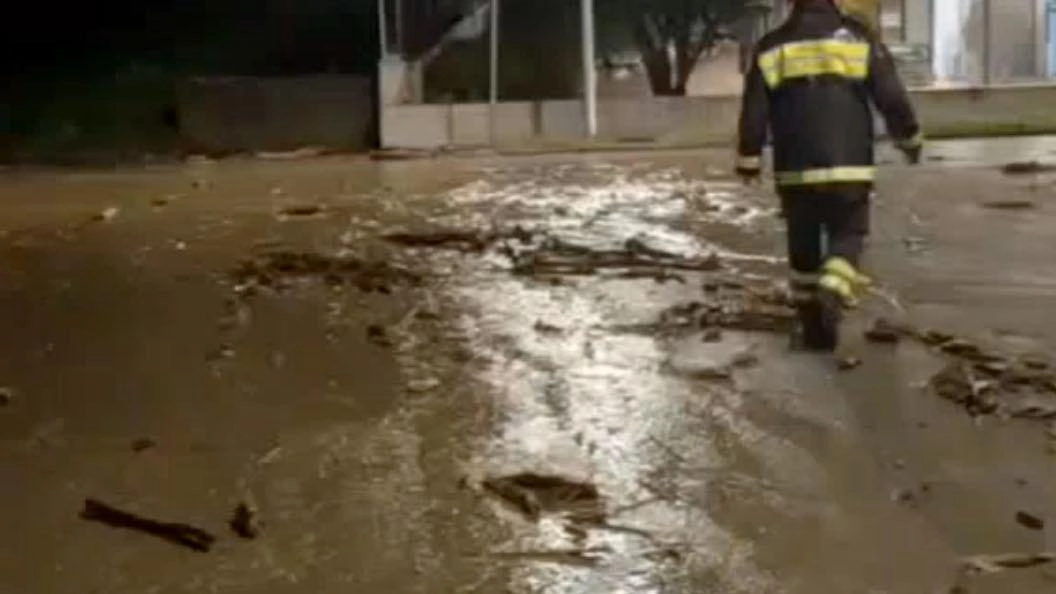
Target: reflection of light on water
point(589, 404)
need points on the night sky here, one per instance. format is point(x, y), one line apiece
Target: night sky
point(202, 36)
point(107, 69)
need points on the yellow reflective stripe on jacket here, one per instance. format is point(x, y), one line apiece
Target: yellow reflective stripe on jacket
point(828, 175)
point(849, 59)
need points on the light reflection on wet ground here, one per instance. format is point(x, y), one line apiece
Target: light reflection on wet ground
point(580, 401)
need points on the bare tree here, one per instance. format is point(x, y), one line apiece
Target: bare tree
point(670, 35)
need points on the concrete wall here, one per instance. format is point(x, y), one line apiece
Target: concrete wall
point(692, 120)
point(248, 113)
point(916, 19)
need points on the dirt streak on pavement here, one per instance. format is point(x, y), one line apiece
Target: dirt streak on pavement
point(366, 418)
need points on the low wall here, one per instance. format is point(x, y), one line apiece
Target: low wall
point(1012, 109)
point(248, 113)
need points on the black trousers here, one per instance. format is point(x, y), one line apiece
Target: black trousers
point(824, 222)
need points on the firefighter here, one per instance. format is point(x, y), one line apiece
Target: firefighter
point(810, 84)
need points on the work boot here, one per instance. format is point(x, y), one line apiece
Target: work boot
point(841, 279)
point(830, 308)
point(818, 332)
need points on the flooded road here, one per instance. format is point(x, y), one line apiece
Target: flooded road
point(536, 375)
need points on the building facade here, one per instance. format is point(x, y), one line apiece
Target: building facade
point(964, 42)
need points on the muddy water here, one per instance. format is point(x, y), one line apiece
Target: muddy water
point(728, 466)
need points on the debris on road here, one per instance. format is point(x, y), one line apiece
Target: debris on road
point(400, 154)
point(274, 270)
point(159, 202)
point(469, 241)
point(301, 210)
point(1027, 168)
point(745, 360)
point(573, 557)
point(1035, 363)
point(848, 363)
point(912, 497)
point(915, 245)
point(535, 494)
point(378, 335)
point(985, 383)
point(959, 347)
point(221, 353)
point(237, 314)
point(1010, 205)
point(558, 257)
point(884, 331)
point(712, 335)
point(736, 309)
point(546, 328)
point(245, 521)
point(306, 152)
point(6, 396)
point(472, 240)
point(1032, 406)
point(424, 385)
point(959, 384)
point(712, 373)
point(143, 444)
point(660, 276)
point(180, 534)
point(986, 564)
point(1029, 520)
point(107, 214)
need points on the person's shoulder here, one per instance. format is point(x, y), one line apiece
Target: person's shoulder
point(855, 28)
point(772, 39)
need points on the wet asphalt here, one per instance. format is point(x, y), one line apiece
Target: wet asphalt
point(363, 419)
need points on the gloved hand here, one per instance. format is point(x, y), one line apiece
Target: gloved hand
point(912, 154)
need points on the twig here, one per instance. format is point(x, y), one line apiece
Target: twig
point(179, 534)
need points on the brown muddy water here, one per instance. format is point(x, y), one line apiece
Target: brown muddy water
point(535, 375)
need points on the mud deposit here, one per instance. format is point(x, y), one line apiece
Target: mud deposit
point(547, 375)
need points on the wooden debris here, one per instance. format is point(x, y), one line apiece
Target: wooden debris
point(301, 210)
point(534, 494)
point(1010, 205)
point(274, 270)
point(848, 362)
point(1027, 168)
point(180, 534)
point(1029, 521)
point(883, 331)
point(984, 564)
point(245, 521)
point(143, 444)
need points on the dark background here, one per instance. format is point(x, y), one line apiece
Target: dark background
point(95, 73)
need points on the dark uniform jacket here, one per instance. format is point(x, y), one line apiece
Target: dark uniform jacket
point(810, 83)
